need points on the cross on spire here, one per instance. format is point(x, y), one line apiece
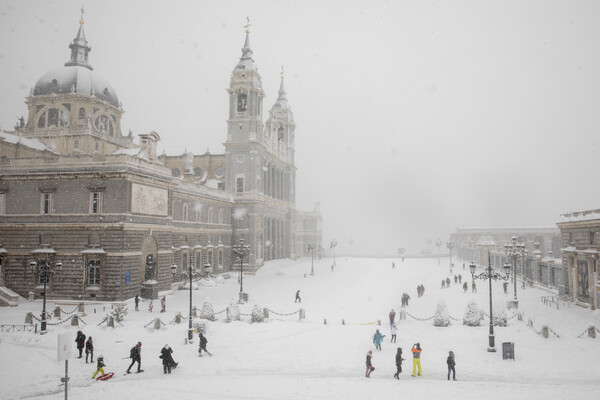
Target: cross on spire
point(248, 25)
point(81, 21)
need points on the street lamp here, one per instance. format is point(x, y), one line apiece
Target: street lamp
point(450, 245)
point(190, 274)
point(438, 244)
point(490, 274)
point(311, 247)
point(333, 244)
point(42, 267)
point(241, 250)
point(173, 270)
point(513, 251)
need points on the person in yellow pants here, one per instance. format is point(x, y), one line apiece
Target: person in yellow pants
point(101, 365)
point(416, 351)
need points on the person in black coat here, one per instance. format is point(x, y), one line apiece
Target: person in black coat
point(167, 359)
point(80, 340)
point(89, 350)
point(398, 363)
point(203, 342)
point(136, 356)
point(451, 364)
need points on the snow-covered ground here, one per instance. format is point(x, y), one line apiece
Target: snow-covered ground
point(288, 358)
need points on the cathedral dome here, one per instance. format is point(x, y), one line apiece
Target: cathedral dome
point(76, 79)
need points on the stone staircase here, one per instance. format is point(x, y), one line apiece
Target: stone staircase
point(8, 297)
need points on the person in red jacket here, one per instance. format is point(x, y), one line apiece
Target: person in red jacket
point(416, 350)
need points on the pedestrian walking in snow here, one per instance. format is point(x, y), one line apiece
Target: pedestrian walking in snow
point(455, 279)
point(419, 291)
point(136, 356)
point(465, 287)
point(416, 351)
point(399, 360)
point(443, 284)
point(89, 350)
point(392, 317)
point(298, 299)
point(451, 364)
point(203, 342)
point(394, 330)
point(80, 340)
point(137, 302)
point(505, 286)
point(459, 278)
point(393, 265)
point(473, 287)
point(378, 339)
point(150, 306)
point(163, 304)
point(166, 354)
point(99, 366)
point(369, 363)
point(447, 282)
point(422, 290)
point(405, 299)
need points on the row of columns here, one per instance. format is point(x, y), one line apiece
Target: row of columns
point(276, 239)
point(276, 183)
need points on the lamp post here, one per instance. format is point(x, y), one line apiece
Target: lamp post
point(490, 274)
point(311, 247)
point(333, 244)
point(173, 271)
point(190, 273)
point(513, 251)
point(42, 267)
point(438, 244)
point(450, 245)
point(240, 251)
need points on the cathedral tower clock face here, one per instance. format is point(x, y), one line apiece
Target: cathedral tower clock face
point(240, 158)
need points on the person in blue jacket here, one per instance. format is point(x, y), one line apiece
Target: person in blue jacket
point(378, 339)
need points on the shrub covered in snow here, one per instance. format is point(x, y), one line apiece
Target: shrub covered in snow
point(500, 317)
point(118, 313)
point(233, 313)
point(257, 314)
point(207, 311)
point(472, 316)
point(441, 316)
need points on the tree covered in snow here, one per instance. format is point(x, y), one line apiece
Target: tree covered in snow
point(257, 314)
point(207, 311)
point(118, 312)
point(233, 312)
point(441, 316)
point(472, 316)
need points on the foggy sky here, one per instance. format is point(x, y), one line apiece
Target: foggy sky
point(413, 118)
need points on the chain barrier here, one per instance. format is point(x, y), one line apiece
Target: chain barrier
point(101, 322)
point(292, 313)
point(63, 311)
point(454, 319)
point(552, 332)
point(246, 315)
point(420, 319)
point(59, 322)
point(151, 322)
point(222, 311)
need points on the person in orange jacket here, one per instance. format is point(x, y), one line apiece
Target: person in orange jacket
point(416, 350)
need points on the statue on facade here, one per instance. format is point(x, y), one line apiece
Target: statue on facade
point(150, 267)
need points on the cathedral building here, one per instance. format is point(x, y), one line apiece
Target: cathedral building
point(108, 214)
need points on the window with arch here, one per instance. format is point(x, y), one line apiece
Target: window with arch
point(93, 272)
point(82, 113)
point(53, 118)
point(242, 102)
point(221, 216)
point(210, 215)
point(175, 172)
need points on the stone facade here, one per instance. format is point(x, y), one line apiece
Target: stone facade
point(580, 233)
point(113, 214)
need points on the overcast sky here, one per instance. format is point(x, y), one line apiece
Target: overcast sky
point(413, 117)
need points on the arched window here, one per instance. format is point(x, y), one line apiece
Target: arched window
point(221, 214)
point(53, 117)
point(242, 102)
point(210, 215)
point(110, 129)
point(82, 113)
point(42, 120)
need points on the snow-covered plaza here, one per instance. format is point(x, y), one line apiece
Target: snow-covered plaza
point(318, 357)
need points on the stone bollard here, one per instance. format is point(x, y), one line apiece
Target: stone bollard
point(81, 308)
point(325, 321)
point(302, 313)
point(343, 322)
point(157, 323)
point(592, 331)
point(545, 332)
point(74, 320)
point(529, 322)
point(111, 321)
point(57, 312)
point(520, 316)
point(29, 318)
point(379, 322)
point(31, 296)
point(178, 318)
point(402, 314)
point(266, 312)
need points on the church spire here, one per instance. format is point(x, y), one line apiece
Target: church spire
point(246, 61)
point(80, 48)
point(281, 99)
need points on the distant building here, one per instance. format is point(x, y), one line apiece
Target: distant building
point(74, 189)
point(580, 233)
